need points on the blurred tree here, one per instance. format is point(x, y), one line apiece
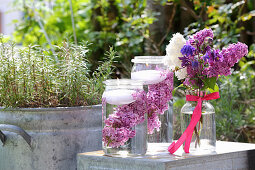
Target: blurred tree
point(159, 30)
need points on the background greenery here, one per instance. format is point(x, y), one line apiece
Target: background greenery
point(102, 23)
point(144, 27)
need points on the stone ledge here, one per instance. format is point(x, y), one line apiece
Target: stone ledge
point(228, 155)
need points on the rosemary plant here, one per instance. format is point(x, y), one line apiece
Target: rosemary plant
point(31, 77)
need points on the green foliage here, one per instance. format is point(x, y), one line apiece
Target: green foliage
point(32, 77)
point(236, 109)
point(104, 23)
point(101, 74)
point(223, 19)
point(228, 112)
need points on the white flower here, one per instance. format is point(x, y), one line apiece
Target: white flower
point(181, 74)
point(173, 51)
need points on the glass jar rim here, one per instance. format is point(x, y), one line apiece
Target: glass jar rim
point(124, 82)
point(148, 59)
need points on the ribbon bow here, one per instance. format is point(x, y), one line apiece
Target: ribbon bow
point(187, 134)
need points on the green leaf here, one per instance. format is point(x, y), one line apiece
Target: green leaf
point(248, 16)
point(210, 82)
point(246, 65)
point(221, 19)
point(173, 92)
point(215, 89)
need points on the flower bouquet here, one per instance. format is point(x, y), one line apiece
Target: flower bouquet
point(199, 65)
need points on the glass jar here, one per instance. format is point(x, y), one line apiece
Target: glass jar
point(158, 84)
point(204, 135)
point(124, 118)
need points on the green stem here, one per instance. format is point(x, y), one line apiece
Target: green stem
point(197, 131)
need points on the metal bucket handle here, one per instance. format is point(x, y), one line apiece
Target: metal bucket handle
point(15, 129)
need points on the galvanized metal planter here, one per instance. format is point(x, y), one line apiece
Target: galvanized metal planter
point(51, 137)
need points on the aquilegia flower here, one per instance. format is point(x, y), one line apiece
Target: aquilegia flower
point(188, 50)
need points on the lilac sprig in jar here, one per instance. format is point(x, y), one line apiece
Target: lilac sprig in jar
point(158, 84)
point(124, 117)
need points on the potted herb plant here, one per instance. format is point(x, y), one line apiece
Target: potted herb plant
point(48, 99)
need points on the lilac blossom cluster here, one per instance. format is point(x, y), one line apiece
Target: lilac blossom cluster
point(200, 37)
point(158, 97)
point(118, 126)
point(202, 62)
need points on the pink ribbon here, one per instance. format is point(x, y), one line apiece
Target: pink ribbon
point(187, 134)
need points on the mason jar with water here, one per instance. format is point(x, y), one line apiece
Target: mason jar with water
point(158, 84)
point(204, 135)
point(124, 118)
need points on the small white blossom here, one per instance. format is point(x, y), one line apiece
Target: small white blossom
point(181, 74)
point(173, 51)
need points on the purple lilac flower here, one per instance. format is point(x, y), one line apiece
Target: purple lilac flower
point(230, 55)
point(115, 137)
point(157, 98)
point(159, 94)
point(218, 68)
point(153, 121)
point(209, 40)
point(186, 82)
point(113, 121)
point(215, 55)
point(200, 36)
point(234, 52)
point(192, 72)
point(118, 126)
point(207, 48)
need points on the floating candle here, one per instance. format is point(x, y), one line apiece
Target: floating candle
point(119, 96)
point(148, 76)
